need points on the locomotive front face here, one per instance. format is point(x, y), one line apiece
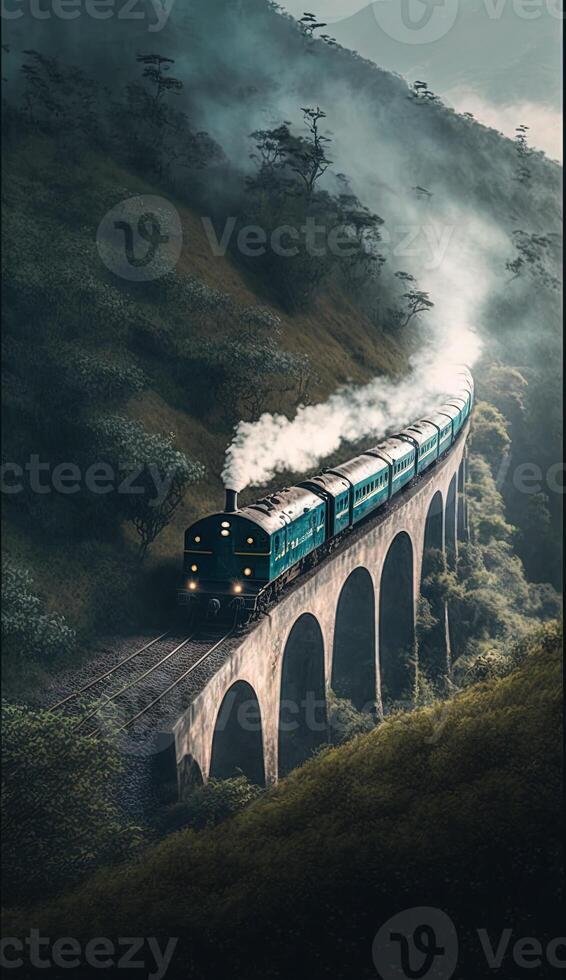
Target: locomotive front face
point(226, 554)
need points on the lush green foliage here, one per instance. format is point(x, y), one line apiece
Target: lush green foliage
point(530, 399)
point(490, 436)
point(59, 817)
point(457, 805)
point(492, 603)
point(160, 473)
point(344, 720)
point(208, 805)
point(28, 631)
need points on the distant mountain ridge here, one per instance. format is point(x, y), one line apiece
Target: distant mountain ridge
point(506, 57)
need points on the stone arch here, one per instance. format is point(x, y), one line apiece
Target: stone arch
point(450, 520)
point(397, 622)
point(237, 743)
point(302, 703)
point(353, 655)
point(432, 621)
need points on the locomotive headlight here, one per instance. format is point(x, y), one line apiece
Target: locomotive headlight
point(192, 586)
point(225, 524)
point(247, 572)
point(197, 539)
point(249, 540)
point(194, 568)
point(237, 589)
point(225, 533)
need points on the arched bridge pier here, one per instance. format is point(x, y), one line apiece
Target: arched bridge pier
point(348, 625)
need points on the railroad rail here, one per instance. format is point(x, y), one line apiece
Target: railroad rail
point(188, 651)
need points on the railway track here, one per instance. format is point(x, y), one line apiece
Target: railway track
point(145, 689)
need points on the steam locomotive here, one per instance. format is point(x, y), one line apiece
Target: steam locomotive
point(237, 561)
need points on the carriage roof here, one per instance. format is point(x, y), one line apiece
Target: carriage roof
point(276, 510)
point(359, 468)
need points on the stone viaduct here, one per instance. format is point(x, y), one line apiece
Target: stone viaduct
point(348, 625)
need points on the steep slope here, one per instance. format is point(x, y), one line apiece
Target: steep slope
point(455, 807)
point(490, 53)
point(245, 66)
point(91, 575)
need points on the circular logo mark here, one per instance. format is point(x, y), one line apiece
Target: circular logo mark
point(141, 238)
point(418, 944)
point(415, 21)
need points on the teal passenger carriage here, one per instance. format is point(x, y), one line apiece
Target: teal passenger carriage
point(240, 558)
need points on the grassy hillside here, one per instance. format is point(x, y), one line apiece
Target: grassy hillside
point(455, 806)
point(173, 353)
point(91, 574)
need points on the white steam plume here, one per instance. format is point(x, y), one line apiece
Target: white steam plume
point(460, 285)
point(275, 443)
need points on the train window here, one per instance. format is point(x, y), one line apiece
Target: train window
point(277, 542)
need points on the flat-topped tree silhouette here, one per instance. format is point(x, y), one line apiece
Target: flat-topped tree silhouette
point(309, 24)
point(155, 70)
point(417, 301)
point(422, 95)
point(310, 162)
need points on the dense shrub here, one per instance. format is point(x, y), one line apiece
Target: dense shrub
point(59, 817)
point(28, 631)
point(209, 805)
point(345, 722)
point(493, 605)
point(152, 476)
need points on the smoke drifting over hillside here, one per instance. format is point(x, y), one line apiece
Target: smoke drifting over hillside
point(244, 67)
point(275, 444)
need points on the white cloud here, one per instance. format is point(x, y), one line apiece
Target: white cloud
point(544, 122)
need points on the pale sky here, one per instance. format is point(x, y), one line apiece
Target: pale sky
point(327, 9)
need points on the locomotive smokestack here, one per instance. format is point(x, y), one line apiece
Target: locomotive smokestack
point(231, 501)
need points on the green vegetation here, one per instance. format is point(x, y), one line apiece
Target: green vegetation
point(530, 399)
point(208, 805)
point(453, 803)
point(491, 603)
point(345, 722)
point(141, 380)
point(59, 816)
point(457, 806)
point(28, 632)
